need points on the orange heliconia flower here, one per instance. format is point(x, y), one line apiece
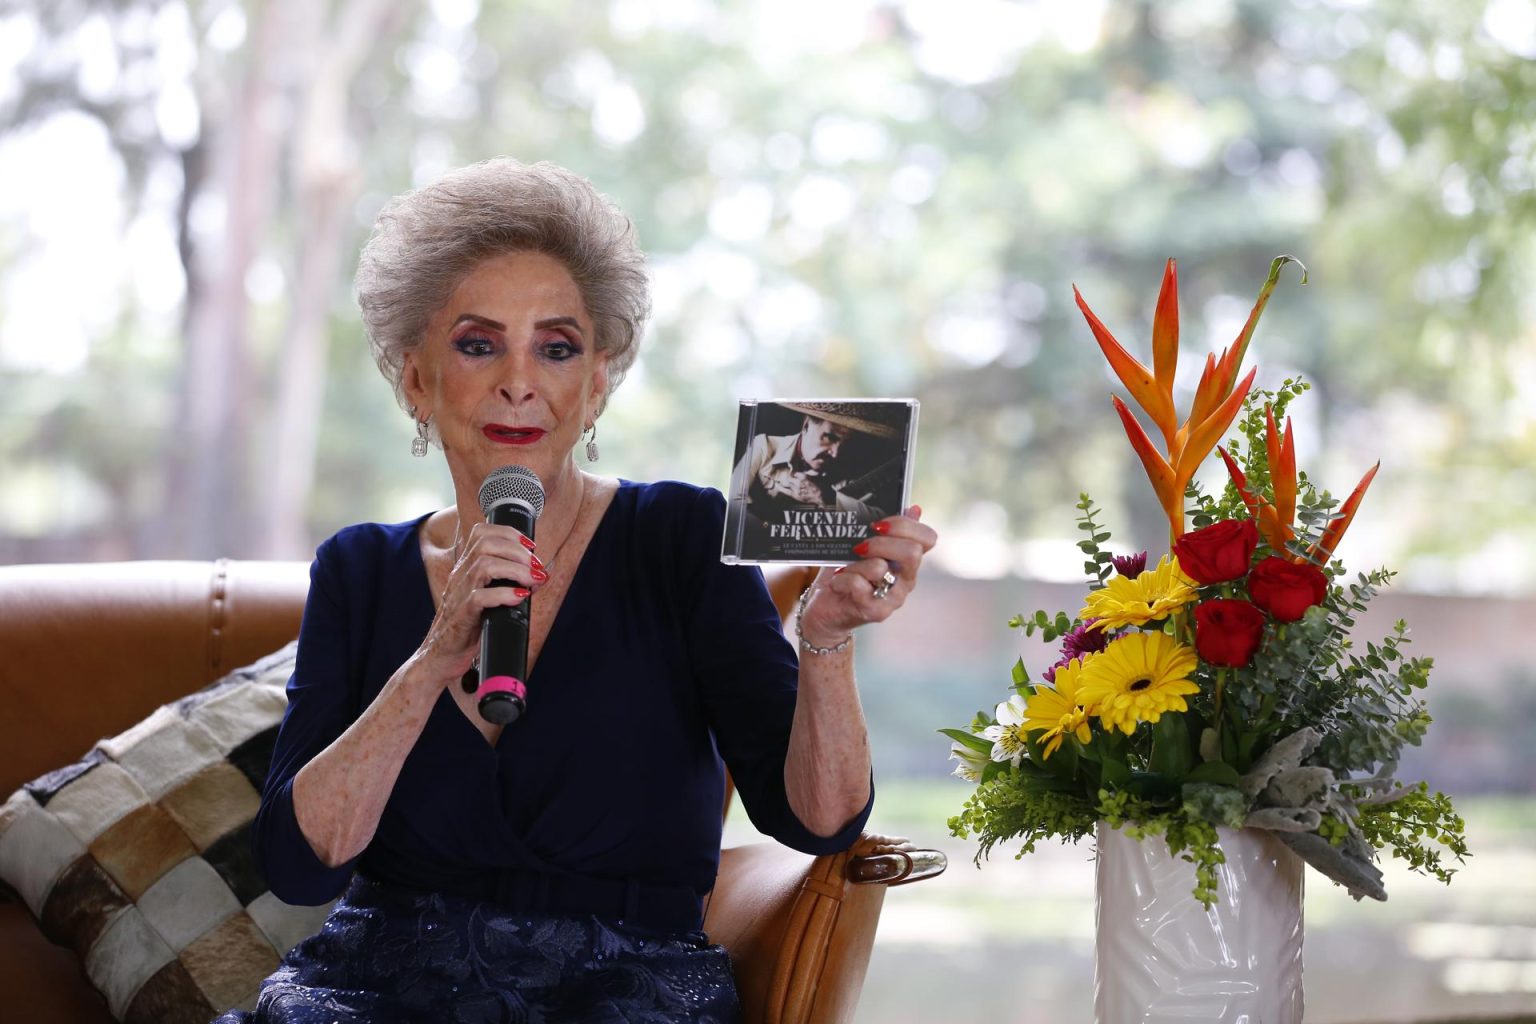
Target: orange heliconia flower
point(1275, 518)
point(1218, 398)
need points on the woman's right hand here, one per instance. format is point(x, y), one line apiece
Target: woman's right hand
point(491, 553)
point(339, 796)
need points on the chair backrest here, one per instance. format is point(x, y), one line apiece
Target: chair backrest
point(91, 649)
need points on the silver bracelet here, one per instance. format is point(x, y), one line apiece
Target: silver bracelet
point(806, 645)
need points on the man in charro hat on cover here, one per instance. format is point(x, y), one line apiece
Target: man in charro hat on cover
point(803, 469)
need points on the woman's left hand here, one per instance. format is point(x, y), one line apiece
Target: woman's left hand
point(870, 589)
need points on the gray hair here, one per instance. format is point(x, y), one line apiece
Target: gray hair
point(429, 239)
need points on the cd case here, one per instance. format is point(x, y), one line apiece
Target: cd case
point(811, 475)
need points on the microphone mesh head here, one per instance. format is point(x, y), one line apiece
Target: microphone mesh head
point(512, 483)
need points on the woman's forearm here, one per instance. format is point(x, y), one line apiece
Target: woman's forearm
point(826, 773)
point(339, 796)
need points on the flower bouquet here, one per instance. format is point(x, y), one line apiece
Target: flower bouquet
point(1217, 688)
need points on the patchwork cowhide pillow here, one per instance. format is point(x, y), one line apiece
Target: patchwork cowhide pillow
point(138, 857)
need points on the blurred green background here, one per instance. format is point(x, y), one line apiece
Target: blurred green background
point(852, 198)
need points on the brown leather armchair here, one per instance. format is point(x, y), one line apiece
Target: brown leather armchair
point(88, 650)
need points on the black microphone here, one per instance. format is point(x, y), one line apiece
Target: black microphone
point(510, 496)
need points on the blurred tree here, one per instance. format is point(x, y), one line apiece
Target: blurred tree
point(1432, 199)
point(326, 174)
point(896, 203)
point(232, 207)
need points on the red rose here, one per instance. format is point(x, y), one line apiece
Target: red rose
point(1227, 632)
point(1286, 589)
point(1219, 552)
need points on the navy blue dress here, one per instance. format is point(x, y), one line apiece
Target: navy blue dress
point(559, 874)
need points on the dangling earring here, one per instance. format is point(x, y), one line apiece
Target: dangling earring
point(592, 445)
point(419, 444)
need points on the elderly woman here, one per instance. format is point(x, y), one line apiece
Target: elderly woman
point(553, 869)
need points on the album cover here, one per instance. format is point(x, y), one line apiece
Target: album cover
point(811, 475)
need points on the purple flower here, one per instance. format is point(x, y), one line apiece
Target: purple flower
point(1082, 641)
point(1130, 566)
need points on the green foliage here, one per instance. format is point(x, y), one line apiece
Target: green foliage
point(1196, 842)
point(1100, 564)
point(1335, 829)
point(1215, 804)
point(1173, 747)
point(969, 739)
point(1419, 828)
point(1050, 627)
point(1283, 673)
point(1017, 806)
point(1367, 705)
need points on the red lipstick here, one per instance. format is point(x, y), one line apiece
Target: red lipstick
point(503, 434)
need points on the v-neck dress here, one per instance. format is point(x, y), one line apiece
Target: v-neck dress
point(662, 667)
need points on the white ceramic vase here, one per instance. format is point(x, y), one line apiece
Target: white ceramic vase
point(1160, 957)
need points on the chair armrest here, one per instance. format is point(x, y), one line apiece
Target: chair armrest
point(800, 929)
point(892, 860)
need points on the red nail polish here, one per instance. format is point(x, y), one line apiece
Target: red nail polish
point(882, 527)
point(539, 576)
point(521, 591)
point(838, 569)
point(538, 566)
point(861, 548)
point(525, 542)
point(917, 511)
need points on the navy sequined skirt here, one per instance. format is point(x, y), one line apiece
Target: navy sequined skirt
point(395, 956)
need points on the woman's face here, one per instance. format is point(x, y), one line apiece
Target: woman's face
point(508, 369)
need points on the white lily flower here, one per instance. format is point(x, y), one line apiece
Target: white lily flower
point(1007, 737)
point(969, 762)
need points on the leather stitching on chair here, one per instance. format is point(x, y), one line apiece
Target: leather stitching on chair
point(783, 990)
point(218, 601)
point(830, 890)
point(811, 961)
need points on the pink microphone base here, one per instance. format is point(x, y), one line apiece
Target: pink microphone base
point(502, 700)
point(503, 684)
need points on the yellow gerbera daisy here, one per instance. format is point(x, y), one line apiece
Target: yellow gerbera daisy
point(1057, 711)
point(1137, 678)
point(1149, 597)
